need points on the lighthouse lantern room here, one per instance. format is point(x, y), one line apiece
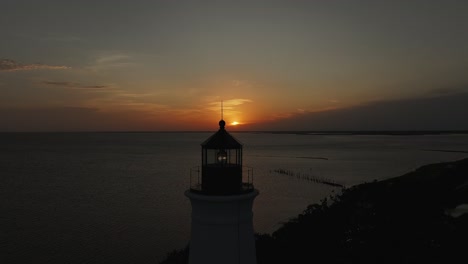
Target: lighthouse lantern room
point(222, 164)
point(222, 217)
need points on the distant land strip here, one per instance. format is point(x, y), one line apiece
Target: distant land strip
point(298, 132)
point(446, 150)
point(321, 158)
point(365, 132)
point(271, 156)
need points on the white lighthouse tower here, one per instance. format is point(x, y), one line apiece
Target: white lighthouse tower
point(222, 228)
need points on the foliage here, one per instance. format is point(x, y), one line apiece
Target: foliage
point(177, 257)
point(399, 220)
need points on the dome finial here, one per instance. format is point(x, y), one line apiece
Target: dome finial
point(222, 124)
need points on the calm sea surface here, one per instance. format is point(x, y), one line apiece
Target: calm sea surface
point(118, 197)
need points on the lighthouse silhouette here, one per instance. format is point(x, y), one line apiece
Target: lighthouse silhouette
point(222, 199)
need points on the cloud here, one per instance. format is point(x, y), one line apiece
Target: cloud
point(8, 65)
point(94, 87)
point(448, 90)
point(227, 104)
point(444, 112)
point(241, 83)
point(115, 58)
point(57, 119)
point(81, 118)
point(231, 102)
point(66, 38)
point(234, 102)
point(74, 85)
point(113, 61)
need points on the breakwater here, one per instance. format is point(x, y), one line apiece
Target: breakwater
point(307, 177)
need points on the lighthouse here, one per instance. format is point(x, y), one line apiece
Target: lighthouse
point(222, 199)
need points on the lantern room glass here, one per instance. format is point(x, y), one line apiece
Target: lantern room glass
point(221, 157)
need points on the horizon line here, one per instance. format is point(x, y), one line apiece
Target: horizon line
point(302, 132)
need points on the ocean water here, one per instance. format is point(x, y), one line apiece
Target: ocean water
point(118, 197)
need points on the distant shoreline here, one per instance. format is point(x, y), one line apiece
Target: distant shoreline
point(365, 132)
point(311, 133)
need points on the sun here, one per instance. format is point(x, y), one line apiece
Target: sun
point(235, 123)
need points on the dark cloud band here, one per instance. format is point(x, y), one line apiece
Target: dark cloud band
point(74, 85)
point(7, 65)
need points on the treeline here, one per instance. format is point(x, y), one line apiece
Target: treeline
point(401, 220)
point(407, 219)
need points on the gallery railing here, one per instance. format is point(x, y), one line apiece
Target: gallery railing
point(196, 179)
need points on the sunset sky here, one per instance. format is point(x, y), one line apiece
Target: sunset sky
point(166, 65)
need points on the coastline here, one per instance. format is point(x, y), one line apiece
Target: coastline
point(419, 216)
